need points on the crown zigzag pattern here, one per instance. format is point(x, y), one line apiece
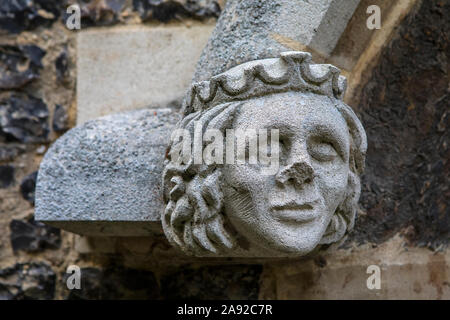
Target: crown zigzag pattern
point(292, 71)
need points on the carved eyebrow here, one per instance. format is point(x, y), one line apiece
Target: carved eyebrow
point(333, 136)
point(279, 124)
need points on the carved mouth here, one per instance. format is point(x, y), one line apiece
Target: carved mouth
point(295, 212)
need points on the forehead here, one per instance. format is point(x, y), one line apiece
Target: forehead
point(291, 110)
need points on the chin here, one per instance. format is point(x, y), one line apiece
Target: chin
point(284, 242)
point(297, 248)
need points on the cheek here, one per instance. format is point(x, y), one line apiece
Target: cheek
point(332, 181)
point(245, 197)
point(246, 178)
point(249, 190)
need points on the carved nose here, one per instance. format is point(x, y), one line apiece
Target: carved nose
point(299, 173)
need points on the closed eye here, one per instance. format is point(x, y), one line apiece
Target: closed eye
point(322, 151)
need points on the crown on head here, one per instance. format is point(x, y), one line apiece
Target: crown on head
point(292, 71)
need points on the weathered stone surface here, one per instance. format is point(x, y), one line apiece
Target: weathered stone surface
point(27, 187)
point(13, 75)
point(6, 176)
point(23, 118)
point(357, 37)
point(213, 282)
point(27, 281)
point(60, 119)
point(91, 285)
point(107, 170)
point(404, 107)
point(250, 30)
point(165, 10)
point(157, 72)
point(115, 283)
point(111, 12)
point(10, 151)
point(62, 65)
point(97, 13)
point(16, 16)
point(332, 24)
point(405, 273)
point(33, 236)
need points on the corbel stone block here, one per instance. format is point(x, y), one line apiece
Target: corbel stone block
point(103, 178)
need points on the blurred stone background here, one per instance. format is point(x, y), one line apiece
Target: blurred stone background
point(401, 95)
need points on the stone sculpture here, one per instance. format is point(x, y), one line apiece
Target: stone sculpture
point(86, 184)
point(235, 210)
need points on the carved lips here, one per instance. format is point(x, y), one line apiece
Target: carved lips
point(293, 211)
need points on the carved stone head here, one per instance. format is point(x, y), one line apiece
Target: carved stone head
point(237, 209)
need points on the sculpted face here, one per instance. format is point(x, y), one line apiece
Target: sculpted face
point(256, 208)
point(289, 212)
